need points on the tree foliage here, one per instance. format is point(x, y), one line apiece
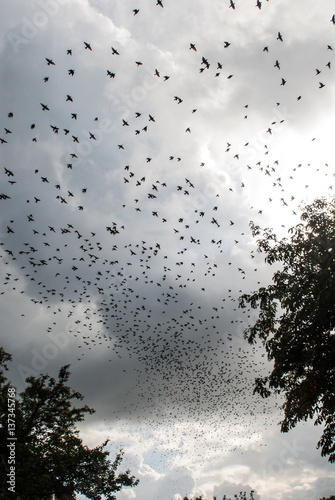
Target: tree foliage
point(240, 496)
point(296, 321)
point(50, 455)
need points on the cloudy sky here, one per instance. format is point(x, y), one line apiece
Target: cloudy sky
point(135, 150)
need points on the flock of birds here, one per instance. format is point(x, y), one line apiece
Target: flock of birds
point(149, 276)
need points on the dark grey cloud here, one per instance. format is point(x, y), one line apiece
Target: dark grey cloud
point(138, 289)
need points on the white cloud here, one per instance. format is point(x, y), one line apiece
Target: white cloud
point(154, 334)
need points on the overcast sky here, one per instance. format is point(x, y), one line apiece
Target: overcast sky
point(136, 149)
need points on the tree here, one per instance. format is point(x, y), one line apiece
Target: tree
point(50, 457)
point(296, 321)
point(241, 496)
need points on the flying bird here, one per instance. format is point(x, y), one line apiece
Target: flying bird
point(123, 278)
point(8, 172)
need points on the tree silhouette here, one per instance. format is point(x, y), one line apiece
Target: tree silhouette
point(240, 496)
point(49, 454)
point(297, 319)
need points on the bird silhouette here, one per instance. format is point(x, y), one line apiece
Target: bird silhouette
point(120, 236)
